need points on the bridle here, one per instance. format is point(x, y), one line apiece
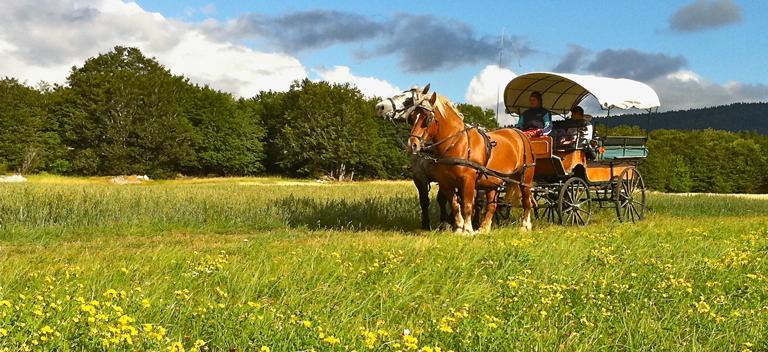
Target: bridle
point(399, 111)
point(427, 124)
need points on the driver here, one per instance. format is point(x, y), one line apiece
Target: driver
point(536, 121)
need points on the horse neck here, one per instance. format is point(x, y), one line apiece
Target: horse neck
point(451, 125)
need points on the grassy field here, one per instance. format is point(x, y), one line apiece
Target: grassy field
point(286, 265)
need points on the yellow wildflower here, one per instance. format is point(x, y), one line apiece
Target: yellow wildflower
point(331, 340)
point(110, 294)
point(265, 349)
point(410, 342)
point(176, 347)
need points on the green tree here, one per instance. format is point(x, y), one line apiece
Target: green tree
point(229, 133)
point(28, 138)
point(271, 108)
point(329, 130)
point(476, 115)
point(122, 113)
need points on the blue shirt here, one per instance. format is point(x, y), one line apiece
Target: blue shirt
point(535, 118)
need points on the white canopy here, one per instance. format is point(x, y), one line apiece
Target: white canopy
point(561, 91)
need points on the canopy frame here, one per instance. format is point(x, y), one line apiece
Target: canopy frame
point(568, 90)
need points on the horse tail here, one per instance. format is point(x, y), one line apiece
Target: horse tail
point(513, 197)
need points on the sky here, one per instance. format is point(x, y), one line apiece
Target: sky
point(694, 53)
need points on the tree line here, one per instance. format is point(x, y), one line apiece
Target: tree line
point(734, 117)
point(124, 113)
point(701, 160)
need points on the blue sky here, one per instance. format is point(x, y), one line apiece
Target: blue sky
point(733, 52)
point(694, 52)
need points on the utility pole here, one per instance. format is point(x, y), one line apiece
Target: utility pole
point(498, 84)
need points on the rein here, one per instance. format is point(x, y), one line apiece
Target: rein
point(480, 168)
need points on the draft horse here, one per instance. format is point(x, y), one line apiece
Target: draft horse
point(399, 107)
point(467, 159)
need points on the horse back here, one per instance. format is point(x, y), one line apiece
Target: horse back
point(511, 152)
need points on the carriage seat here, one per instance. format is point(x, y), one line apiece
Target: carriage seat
point(623, 147)
point(571, 134)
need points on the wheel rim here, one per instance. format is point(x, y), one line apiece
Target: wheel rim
point(575, 203)
point(630, 196)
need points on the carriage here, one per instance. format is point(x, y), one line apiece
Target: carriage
point(574, 174)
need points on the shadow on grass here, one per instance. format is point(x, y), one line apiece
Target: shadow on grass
point(376, 213)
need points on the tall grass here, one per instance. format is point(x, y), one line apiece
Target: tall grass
point(342, 267)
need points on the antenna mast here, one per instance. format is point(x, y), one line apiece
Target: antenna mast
point(498, 84)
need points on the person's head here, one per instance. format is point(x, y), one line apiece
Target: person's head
point(577, 113)
point(535, 100)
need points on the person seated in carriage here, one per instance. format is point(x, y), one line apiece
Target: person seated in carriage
point(536, 121)
point(582, 121)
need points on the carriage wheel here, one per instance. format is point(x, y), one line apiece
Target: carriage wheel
point(575, 203)
point(629, 195)
point(546, 206)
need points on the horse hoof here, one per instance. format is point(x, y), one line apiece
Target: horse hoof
point(484, 230)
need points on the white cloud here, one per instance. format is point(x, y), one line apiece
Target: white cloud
point(488, 86)
point(229, 67)
point(686, 89)
point(370, 86)
point(42, 39)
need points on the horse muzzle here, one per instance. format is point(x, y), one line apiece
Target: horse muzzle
point(415, 145)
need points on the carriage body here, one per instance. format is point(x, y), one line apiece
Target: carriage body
point(570, 180)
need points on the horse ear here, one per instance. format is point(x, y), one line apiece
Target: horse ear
point(426, 89)
point(433, 99)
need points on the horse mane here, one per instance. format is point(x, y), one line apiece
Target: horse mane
point(440, 106)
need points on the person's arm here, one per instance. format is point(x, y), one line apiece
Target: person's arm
point(519, 123)
point(547, 124)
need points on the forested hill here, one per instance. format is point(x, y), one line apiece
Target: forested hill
point(735, 117)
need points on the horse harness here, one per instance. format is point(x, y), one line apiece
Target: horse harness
point(482, 169)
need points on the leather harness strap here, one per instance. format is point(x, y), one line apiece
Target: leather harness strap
point(483, 169)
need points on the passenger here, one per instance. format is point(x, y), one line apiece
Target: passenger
point(536, 121)
point(577, 115)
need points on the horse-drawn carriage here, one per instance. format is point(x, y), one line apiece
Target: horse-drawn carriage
point(574, 175)
point(558, 179)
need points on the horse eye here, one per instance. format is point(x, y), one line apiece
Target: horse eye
point(408, 101)
point(425, 122)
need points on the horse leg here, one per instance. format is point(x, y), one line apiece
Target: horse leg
point(458, 225)
point(423, 188)
point(467, 191)
point(527, 200)
point(442, 202)
point(490, 209)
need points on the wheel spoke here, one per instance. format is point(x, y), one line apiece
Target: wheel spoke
point(581, 219)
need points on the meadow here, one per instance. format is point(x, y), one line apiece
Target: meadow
point(270, 264)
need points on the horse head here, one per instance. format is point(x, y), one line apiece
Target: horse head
point(400, 106)
point(424, 127)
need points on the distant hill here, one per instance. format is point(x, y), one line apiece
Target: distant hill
point(735, 117)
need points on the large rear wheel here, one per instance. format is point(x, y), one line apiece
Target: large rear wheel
point(575, 203)
point(629, 195)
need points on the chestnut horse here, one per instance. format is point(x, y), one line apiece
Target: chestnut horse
point(467, 159)
point(399, 107)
